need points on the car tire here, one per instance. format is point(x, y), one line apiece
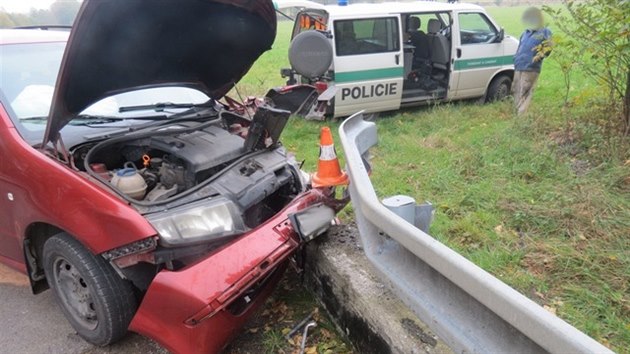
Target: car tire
point(97, 302)
point(499, 89)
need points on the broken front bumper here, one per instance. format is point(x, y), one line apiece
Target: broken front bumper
point(200, 308)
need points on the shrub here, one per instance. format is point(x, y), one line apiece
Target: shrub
point(597, 35)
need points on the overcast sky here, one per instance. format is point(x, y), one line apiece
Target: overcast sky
point(24, 5)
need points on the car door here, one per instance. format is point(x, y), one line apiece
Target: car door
point(368, 64)
point(478, 54)
point(9, 244)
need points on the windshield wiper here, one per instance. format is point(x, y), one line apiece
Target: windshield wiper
point(94, 120)
point(172, 119)
point(161, 106)
point(33, 118)
point(92, 117)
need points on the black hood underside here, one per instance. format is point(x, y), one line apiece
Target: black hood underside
point(123, 45)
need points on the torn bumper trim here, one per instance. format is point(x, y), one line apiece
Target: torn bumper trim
point(189, 310)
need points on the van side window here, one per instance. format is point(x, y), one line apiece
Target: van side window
point(367, 36)
point(475, 28)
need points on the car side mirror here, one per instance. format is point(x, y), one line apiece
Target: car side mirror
point(500, 36)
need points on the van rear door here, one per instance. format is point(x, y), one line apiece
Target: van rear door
point(479, 53)
point(368, 64)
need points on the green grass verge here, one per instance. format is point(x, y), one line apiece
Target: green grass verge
point(542, 202)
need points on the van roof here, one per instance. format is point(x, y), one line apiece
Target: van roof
point(361, 9)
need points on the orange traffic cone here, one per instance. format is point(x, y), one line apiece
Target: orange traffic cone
point(328, 170)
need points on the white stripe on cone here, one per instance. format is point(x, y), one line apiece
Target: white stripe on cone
point(327, 153)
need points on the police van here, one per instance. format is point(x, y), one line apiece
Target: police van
point(383, 56)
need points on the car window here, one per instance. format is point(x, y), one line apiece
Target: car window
point(476, 28)
point(367, 36)
point(29, 74)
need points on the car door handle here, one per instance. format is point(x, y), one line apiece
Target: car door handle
point(397, 58)
point(459, 53)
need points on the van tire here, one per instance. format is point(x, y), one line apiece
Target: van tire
point(96, 301)
point(499, 89)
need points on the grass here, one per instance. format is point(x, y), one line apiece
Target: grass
point(274, 342)
point(542, 202)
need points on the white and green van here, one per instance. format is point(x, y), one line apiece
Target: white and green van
point(383, 56)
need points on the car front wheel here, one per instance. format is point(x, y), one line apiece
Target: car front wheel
point(97, 302)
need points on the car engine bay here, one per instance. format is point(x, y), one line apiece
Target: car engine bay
point(168, 164)
point(227, 156)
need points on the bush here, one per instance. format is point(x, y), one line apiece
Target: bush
point(597, 35)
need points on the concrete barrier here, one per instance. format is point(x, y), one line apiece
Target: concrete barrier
point(370, 316)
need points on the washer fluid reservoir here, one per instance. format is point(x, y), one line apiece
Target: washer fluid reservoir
point(130, 182)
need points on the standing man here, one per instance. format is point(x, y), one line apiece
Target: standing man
point(535, 45)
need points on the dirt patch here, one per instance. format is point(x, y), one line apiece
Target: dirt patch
point(538, 263)
point(12, 277)
point(580, 167)
point(435, 142)
point(566, 140)
point(410, 326)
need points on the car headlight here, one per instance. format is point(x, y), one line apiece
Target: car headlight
point(200, 222)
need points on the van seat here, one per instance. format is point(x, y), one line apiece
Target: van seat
point(440, 47)
point(418, 39)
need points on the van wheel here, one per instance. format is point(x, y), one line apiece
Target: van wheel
point(499, 89)
point(96, 301)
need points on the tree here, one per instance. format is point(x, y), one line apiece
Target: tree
point(597, 35)
point(41, 17)
point(64, 11)
point(6, 20)
point(566, 63)
point(61, 12)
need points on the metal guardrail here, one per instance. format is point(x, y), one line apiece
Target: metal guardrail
point(471, 310)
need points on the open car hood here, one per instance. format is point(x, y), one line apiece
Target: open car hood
point(117, 46)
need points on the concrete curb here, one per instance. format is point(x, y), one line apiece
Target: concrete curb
point(372, 318)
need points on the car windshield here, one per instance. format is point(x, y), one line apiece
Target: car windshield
point(29, 73)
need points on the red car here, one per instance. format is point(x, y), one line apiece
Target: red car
point(126, 186)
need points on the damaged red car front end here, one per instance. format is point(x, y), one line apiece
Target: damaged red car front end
point(199, 308)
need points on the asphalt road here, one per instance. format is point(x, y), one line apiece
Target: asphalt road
point(34, 324)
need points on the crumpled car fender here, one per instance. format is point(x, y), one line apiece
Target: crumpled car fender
point(193, 309)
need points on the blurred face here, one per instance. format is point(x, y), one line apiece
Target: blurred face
point(532, 19)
